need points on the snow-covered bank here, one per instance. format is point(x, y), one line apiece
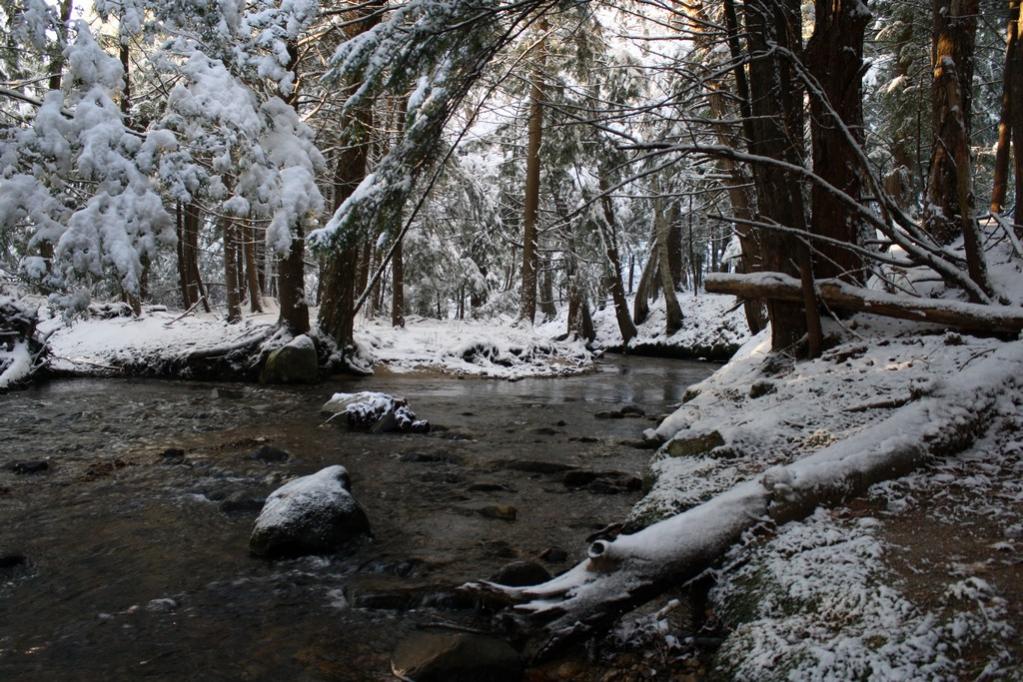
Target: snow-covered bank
point(713, 328)
point(165, 344)
point(860, 592)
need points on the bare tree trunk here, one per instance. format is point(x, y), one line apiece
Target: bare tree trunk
point(953, 39)
point(641, 302)
point(179, 231)
point(232, 284)
point(547, 306)
point(1000, 179)
point(609, 236)
point(532, 192)
point(672, 310)
point(776, 131)
point(397, 287)
point(834, 56)
point(1012, 113)
point(251, 271)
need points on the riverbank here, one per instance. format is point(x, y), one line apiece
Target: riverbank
point(164, 343)
point(917, 578)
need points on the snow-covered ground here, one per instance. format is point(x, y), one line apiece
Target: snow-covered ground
point(497, 348)
point(919, 579)
point(713, 327)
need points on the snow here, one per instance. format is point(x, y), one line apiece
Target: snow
point(712, 326)
point(303, 496)
point(15, 363)
point(498, 348)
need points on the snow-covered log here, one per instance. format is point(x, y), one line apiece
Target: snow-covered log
point(624, 573)
point(837, 294)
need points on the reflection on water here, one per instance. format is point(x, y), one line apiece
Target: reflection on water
point(135, 571)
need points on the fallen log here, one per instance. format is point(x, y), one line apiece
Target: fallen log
point(622, 574)
point(975, 317)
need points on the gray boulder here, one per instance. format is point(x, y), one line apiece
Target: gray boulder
point(312, 514)
point(373, 412)
point(295, 363)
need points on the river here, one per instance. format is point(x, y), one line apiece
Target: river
point(136, 571)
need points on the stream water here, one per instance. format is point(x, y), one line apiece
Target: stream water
point(135, 570)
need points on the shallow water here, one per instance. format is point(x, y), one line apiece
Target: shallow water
point(135, 572)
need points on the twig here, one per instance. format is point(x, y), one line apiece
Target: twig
point(186, 313)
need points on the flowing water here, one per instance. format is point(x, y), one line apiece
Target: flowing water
point(135, 571)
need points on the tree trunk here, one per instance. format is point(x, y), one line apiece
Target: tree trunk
point(532, 192)
point(776, 131)
point(953, 37)
point(641, 303)
point(251, 271)
point(672, 310)
point(232, 283)
point(1013, 77)
point(834, 55)
point(547, 306)
point(397, 287)
point(613, 267)
point(294, 310)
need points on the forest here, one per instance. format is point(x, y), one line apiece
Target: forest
point(492, 340)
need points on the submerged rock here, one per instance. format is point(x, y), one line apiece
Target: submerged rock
point(684, 445)
point(309, 515)
point(270, 454)
point(534, 466)
point(12, 559)
point(34, 466)
point(603, 482)
point(295, 363)
point(521, 574)
point(456, 657)
point(374, 412)
point(503, 512)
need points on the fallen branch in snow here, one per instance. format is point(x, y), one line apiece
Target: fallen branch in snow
point(186, 313)
point(622, 574)
point(976, 317)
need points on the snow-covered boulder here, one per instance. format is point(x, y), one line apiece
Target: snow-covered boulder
point(373, 412)
point(309, 515)
point(22, 352)
point(295, 363)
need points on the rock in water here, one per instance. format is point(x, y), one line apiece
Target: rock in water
point(521, 574)
point(374, 412)
point(295, 363)
point(435, 657)
point(310, 515)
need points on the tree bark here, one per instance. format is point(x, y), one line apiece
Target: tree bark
point(613, 267)
point(952, 46)
point(398, 287)
point(532, 190)
point(973, 317)
point(776, 131)
point(294, 310)
point(251, 271)
point(1013, 78)
point(647, 277)
point(672, 309)
point(834, 56)
point(232, 282)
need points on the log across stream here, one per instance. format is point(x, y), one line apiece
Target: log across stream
point(136, 532)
